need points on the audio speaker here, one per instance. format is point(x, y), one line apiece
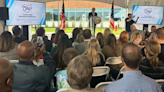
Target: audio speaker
point(4, 13)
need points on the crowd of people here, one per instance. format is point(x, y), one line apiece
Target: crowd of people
point(71, 60)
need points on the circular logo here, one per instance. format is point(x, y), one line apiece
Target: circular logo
point(97, 20)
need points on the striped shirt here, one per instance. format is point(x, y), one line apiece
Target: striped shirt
point(134, 81)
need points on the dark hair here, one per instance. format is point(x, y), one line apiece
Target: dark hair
point(153, 26)
point(75, 32)
point(87, 33)
point(101, 39)
point(160, 33)
point(111, 41)
point(129, 14)
point(58, 34)
point(6, 41)
point(40, 31)
point(68, 55)
point(63, 44)
point(131, 54)
point(16, 30)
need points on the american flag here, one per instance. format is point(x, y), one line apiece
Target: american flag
point(112, 16)
point(63, 17)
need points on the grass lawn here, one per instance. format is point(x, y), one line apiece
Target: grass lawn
point(69, 30)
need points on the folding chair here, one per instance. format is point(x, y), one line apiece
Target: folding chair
point(100, 71)
point(102, 85)
point(160, 81)
point(120, 72)
point(61, 90)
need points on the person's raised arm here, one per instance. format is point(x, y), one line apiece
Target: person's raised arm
point(49, 67)
point(137, 20)
point(128, 20)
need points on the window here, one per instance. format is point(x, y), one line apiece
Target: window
point(106, 16)
point(55, 15)
point(79, 16)
point(48, 16)
point(71, 16)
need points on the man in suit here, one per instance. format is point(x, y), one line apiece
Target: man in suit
point(92, 14)
point(83, 46)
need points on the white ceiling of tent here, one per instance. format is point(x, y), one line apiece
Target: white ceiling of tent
point(121, 3)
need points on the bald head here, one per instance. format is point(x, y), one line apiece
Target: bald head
point(6, 75)
point(131, 55)
point(26, 50)
point(132, 27)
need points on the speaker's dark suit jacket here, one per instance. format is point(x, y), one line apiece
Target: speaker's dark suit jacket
point(90, 15)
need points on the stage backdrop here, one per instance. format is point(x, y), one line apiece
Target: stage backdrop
point(26, 13)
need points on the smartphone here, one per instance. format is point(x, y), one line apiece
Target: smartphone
point(39, 41)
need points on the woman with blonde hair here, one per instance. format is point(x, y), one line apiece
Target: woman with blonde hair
point(8, 48)
point(124, 38)
point(151, 66)
point(136, 38)
point(79, 39)
point(94, 54)
point(106, 33)
point(101, 39)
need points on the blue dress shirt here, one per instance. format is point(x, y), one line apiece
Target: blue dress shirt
point(134, 81)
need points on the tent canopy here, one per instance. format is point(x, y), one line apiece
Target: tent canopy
point(121, 3)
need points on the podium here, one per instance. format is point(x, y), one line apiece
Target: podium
point(93, 21)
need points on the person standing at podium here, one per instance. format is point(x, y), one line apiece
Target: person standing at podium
point(92, 14)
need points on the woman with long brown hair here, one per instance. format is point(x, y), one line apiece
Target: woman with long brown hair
point(94, 54)
point(8, 48)
point(151, 66)
point(101, 39)
point(111, 49)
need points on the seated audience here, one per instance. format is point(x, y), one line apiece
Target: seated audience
point(17, 33)
point(94, 54)
point(79, 72)
point(101, 39)
point(6, 75)
point(53, 35)
point(62, 79)
point(159, 37)
point(8, 48)
point(151, 66)
point(134, 29)
point(106, 33)
point(79, 39)
point(136, 38)
point(81, 47)
point(124, 38)
point(111, 49)
point(62, 45)
point(75, 32)
point(133, 80)
point(57, 36)
point(29, 77)
point(41, 32)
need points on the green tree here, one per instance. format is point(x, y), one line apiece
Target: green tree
point(66, 24)
point(53, 24)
